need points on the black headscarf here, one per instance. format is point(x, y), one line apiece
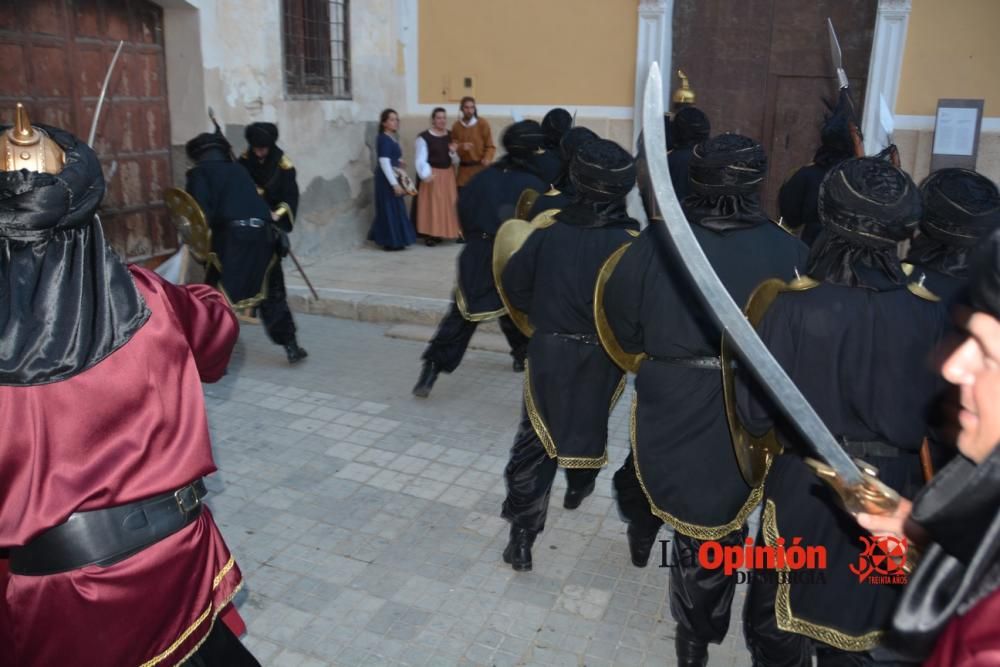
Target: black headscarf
point(867, 206)
point(960, 208)
point(726, 173)
point(689, 126)
point(570, 144)
point(836, 142)
point(556, 123)
point(261, 135)
point(602, 173)
point(208, 145)
point(522, 141)
point(66, 300)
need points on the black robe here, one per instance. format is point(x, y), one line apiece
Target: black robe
point(798, 201)
point(550, 166)
point(226, 193)
point(570, 385)
point(680, 436)
point(679, 160)
point(275, 180)
point(862, 358)
point(485, 203)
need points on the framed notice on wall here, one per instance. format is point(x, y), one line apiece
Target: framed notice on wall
point(956, 134)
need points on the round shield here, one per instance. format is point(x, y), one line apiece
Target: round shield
point(509, 239)
point(190, 221)
point(525, 202)
point(625, 360)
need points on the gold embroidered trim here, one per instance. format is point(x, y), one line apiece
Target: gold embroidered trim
point(198, 621)
point(463, 308)
point(542, 431)
point(690, 529)
point(787, 620)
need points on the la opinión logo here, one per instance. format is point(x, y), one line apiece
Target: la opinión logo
point(883, 560)
point(791, 557)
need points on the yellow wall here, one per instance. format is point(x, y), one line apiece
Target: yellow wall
point(952, 50)
point(550, 52)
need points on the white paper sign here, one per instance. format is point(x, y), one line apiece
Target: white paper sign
point(955, 133)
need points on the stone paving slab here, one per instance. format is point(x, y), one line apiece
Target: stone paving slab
point(366, 522)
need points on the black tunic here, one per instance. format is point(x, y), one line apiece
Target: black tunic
point(550, 166)
point(680, 436)
point(798, 201)
point(226, 193)
point(679, 160)
point(485, 203)
point(570, 384)
point(275, 180)
point(862, 359)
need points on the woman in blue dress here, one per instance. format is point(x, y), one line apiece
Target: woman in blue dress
point(392, 229)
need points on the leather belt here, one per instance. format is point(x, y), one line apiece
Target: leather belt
point(106, 536)
point(256, 223)
point(589, 339)
point(864, 448)
point(707, 363)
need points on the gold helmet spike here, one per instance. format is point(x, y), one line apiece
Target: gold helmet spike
point(26, 147)
point(684, 94)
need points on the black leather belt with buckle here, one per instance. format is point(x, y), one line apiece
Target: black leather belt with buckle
point(256, 223)
point(589, 339)
point(692, 362)
point(106, 536)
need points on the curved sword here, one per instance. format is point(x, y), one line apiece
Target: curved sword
point(104, 91)
point(859, 485)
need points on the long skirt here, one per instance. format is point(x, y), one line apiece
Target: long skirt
point(437, 213)
point(391, 228)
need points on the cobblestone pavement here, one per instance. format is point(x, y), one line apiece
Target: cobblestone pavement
point(366, 521)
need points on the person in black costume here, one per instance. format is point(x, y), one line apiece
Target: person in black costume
point(555, 124)
point(562, 191)
point(948, 610)
point(274, 175)
point(799, 196)
point(858, 345)
point(485, 203)
point(961, 207)
point(688, 128)
point(682, 469)
point(571, 384)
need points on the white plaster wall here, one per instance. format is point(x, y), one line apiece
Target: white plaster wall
point(328, 140)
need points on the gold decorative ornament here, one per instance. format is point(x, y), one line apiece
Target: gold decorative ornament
point(525, 202)
point(27, 147)
point(684, 94)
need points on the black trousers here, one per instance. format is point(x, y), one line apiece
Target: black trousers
point(700, 600)
point(274, 311)
point(529, 475)
point(452, 338)
point(221, 648)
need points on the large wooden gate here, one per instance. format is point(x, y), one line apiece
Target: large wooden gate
point(53, 57)
point(762, 68)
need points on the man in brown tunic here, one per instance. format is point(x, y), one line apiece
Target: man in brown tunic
point(475, 142)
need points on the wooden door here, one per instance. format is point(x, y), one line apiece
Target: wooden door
point(763, 68)
point(53, 57)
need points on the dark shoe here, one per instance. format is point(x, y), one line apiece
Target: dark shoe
point(460, 239)
point(518, 551)
point(295, 353)
point(427, 378)
point(518, 366)
point(574, 497)
point(431, 241)
point(640, 545)
point(690, 651)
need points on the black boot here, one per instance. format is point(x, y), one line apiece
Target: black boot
point(295, 353)
point(640, 544)
point(574, 497)
point(691, 652)
point(427, 378)
point(518, 551)
point(518, 365)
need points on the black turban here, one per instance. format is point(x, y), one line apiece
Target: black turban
point(602, 171)
point(982, 292)
point(556, 123)
point(261, 135)
point(960, 208)
point(725, 176)
point(867, 206)
point(523, 139)
point(689, 126)
point(836, 140)
point(573, 140)
point(205, 143)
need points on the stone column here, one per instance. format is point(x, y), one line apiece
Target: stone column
point(654, 43)
point(884, 68)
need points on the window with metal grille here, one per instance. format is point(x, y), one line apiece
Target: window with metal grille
point(317, 48)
